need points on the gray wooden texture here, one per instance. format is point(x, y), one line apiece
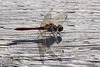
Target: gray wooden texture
point(80, 40)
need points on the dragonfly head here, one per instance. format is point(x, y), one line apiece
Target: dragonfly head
point(60, 28)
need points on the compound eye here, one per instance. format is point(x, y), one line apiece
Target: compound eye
point(60, 28)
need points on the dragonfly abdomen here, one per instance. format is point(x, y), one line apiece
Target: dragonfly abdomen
point(30, 28)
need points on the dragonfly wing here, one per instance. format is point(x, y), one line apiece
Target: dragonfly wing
point(56, 49)
point(41, 46)
point(59, 19)
point(47, 45)
point(41, 51)
point(53, 47)
point(47, 18)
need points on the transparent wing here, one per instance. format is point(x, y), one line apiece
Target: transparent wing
point(59, 19)
point(41, 46)
point(47, 18)
point(52, 46)
point(53, 50)
point(41, 51)
point(47, 45)
point(56, 48)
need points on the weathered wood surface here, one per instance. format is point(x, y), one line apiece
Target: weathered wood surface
point(80, 40)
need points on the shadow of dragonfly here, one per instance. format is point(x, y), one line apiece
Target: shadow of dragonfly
point(44, 46)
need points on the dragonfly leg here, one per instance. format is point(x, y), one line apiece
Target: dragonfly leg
point(59, 34)
point(41, 33)
point(42, 14)
point(50, 34)
point(55, 36)
point(54, 55)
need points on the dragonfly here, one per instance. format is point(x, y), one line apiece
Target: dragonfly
point(51, 25)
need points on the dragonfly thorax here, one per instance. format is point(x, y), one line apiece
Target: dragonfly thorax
point(51, 27)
